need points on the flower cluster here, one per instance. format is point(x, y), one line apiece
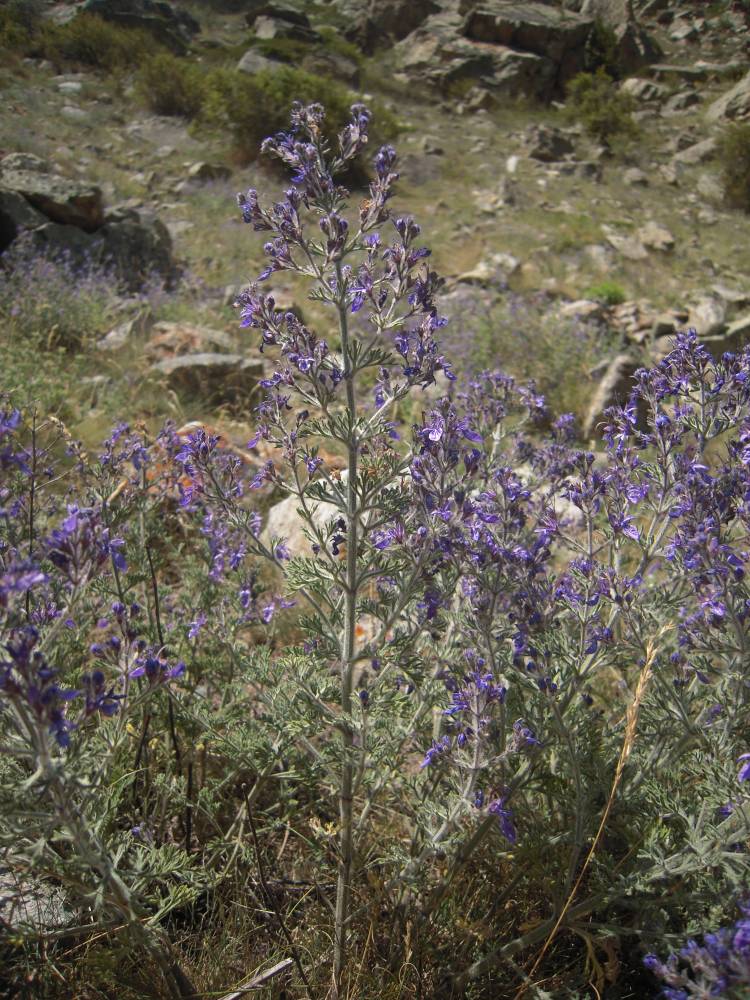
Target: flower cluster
point(716, 966)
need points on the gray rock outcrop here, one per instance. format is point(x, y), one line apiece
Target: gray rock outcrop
point(69, 202)
point(734, 105)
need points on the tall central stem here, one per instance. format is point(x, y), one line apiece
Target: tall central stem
point(343, 889)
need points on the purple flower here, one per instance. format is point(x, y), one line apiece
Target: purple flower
point(499, 807)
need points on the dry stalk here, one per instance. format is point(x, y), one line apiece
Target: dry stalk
point(631, 721)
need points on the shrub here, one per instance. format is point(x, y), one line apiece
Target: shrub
point(608, 292)
point(595, 101)
point(602, 50)
point(169, 85)
point(90, 41)
point(250, 107)
point(520, 335)
point(19, 23)
point(50, 301)
point(734, 154)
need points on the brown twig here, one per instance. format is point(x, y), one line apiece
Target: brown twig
point(257, 981)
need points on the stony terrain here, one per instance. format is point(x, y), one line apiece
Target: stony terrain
point(529, 217)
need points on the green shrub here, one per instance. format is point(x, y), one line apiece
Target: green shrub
point(734, 152)
point(288, 50)
point(608, 292)
point(90, 41)
point(602, 50)
point(251, 107)
point(604, 111)
point(19, 24)
point(171, 86)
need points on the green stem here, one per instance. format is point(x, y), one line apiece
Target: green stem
point(346, 836)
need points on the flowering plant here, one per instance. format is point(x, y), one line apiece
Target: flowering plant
point(509, 704)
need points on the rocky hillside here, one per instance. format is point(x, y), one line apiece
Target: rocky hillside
point(571, 250)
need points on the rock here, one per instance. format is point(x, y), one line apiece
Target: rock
point(431, 147)
point(283, 521)
point(176, 227)
point(69, 87)
point(699, 152)
point(656, 237)
point(169, 24)
point(582, 309)
point(493, 271)
point(25, 162)
point(587, 169)
point(708, 317)
point(546, 143)
point(634, 177)
point(275, 27)
point(254, 62)
point(220, 378)
point(684, 31)
point(126, 332)
point(664, 325)
point(554, 34)
point(710, 188)
point(173, 340)
point(379, 22)
point(478, 99)
point(738, 332)
point(653, 7)
point(732, 296)
point(678, 103)
point(697, 72)
point(634, 319)
point(323, 62)
point(73, 113)
point(209, 172)
point(734, 105)
point(669, 173)
point(26, 901)
point(16, 215)
point(634, 46)
point(135, 252)
point(436, 55)
point(275, 9)
point(611, 12)
point(68, 202)
point(643, 90)
point(628, 246)
point(138, 250)
point(614, 389)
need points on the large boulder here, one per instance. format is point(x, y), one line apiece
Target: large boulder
point(437, 54)
point(276, 9)
point(169, 24)
point(254, 62)
point(556, 35)
point(218, 378)
point(269, 28)
point(16, 215)
point(60, 199)
point(134, 251)
point(379, 22)
point(546, 143)
point(614, 389)
point(635, 47)
point(734, 105)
